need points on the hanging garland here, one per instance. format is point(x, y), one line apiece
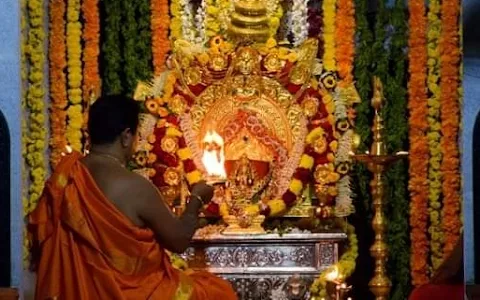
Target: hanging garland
point(111, 48)
point(188, 30)
point(200, 23)
point(35, 142)
point(144, 48)
point(176, 20)
point(58, 80)
point(25, 133)
point(450, 122)
point(329, 15)
point(363, 83)
point(74, 63)
point(418, 142)
point(344, 113)
point(275, 14)
point(129, 34)
point(299, 26)
point(345, 39)
point(434, 135)
point(160, 21)
point(396, 126)
point(212, 24)
point(345, 266)
point(91, 50)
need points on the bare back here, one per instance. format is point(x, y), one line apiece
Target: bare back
point(117, 184)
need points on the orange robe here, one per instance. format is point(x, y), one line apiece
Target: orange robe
point(90, 250)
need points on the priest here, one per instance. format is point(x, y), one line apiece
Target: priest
point(102, 232)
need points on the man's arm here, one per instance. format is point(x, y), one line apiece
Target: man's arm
point(174, 233)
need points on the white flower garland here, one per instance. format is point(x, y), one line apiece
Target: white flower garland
point(344, 205)
point(200, 23)
point(187, 21)
point(299, 21)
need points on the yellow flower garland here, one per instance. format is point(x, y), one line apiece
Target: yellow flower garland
point(212, 26)
point(74, 65)
point(184, 154)
point(329, 14)
point(434, 134)
point(176, 21)
point(35, 143)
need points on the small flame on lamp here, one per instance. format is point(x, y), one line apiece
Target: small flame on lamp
point(332, 275)
point(213, 158)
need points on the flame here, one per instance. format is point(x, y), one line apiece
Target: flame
point(332, 275)
point(213, 158)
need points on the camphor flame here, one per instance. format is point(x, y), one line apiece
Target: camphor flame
point(333, 275)
point(213, 158)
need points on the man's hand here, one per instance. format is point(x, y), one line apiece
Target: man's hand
point(203, 190)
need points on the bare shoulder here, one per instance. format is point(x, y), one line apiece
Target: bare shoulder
point(140, 185)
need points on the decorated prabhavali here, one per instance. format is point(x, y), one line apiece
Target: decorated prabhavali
point(264, 113)
point(265, 119)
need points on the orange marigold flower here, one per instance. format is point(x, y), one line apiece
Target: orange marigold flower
point(162, 112)
point(151, 105)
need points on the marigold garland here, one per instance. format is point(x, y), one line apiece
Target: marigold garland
point(329, 15)
point(35, 103)
point(450, 122)
point(74, 64)
point(58, 80)
point(24, 78)
point(91, 50)
point(212, 25)
point(160, 22)
point(417, 105)
point(345, 39)
point(176, 20)
point(434, 135)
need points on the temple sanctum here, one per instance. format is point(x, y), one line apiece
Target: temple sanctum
point(338, 136)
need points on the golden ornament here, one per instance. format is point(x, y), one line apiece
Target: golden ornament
point(320, 145)
point(193, 76)
point(169, 144)
point(178, 104)
point(273, 63)
point(310, 106)
point(218, 62)
point(171, 177)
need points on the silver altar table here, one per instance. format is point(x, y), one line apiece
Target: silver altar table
point(257, 265)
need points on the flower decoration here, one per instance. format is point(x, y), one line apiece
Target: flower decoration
point(328, 80)
point(329, 15)
point(450, 122)
point(345, 39)
point(36, 136)
point(171, 177)
point(418, 142)
point(58, 79)
point(169, 144)
point(159, 25)
point(299, 26)
point(74, 66)
point(434, 134)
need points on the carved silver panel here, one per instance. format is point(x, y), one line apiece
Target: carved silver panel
point(273, 287)
point(259, 267)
